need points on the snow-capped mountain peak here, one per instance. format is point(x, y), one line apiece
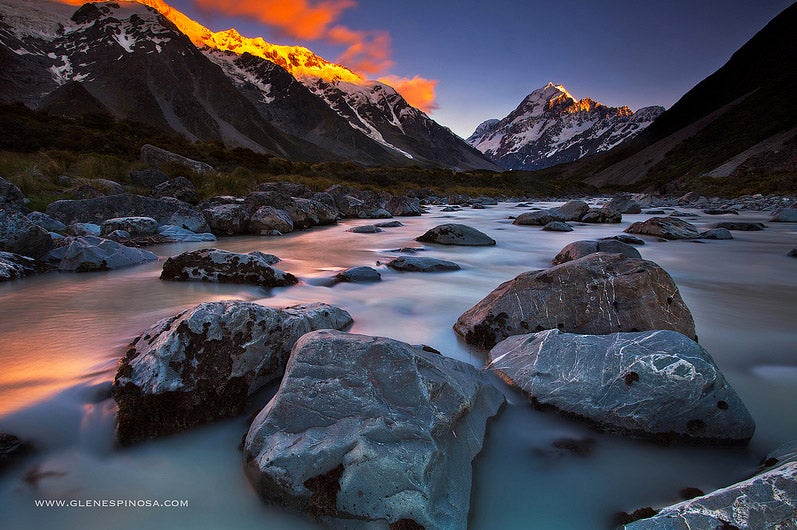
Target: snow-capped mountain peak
point(550, 126)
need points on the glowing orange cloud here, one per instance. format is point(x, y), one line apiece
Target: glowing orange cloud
point(418, 92)
point(295, 18)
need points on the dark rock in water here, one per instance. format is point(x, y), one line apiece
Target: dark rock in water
point(180, 188)
point(450, 209)
point(626, 238)
point(456, 234)
point(11, 448)
point(623, 204)
point(767, 500)
point(221, 266)
point(654, 212)
point(148, 178)
point(478, 206)
point(359, 274)
point(46, 222)
point(371, 429)
point(623, 518)
point(572, 210)
point(167, 211)
point(601, 215)
point(579, 249)
point(204, 363)
point(716, 233)
point(792, 253)
point(92, 254)
point(665, 227)
point(720, 211)
point(597, 294)
point(11, 197)
point(677, 213)
point(650, 383)
point(268, 218)
point(418, 264)
point(19, 235)
point(557, 226)
point(137, 226)
point(228, 219)
point(365, 229)
point(14, 266)
point(538, 218)
point(390, 224)
point(156, 156)
point(408, 250)
point(784, 215)
point(742, 226)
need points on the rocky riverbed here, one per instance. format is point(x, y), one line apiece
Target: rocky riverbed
point(548, 458)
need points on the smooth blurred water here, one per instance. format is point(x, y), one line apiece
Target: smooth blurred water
point(61, 336)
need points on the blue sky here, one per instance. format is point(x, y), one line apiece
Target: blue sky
point(487, 55)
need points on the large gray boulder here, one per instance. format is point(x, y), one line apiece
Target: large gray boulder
point(228, 219)
point(136, 226)
point(91, 254)
point(623, 204)
point(267, 218)
point(649, 383)
point(768, 500)
point(371, 429)
point(180, 188)
point(579, 249)
point(155, 156)
point(359, 275)
point(14, 266)
point(307, 212)
point(456, 234)
point(11, 197)
point(716, 233)
point(420, 264)
point(403, 206)
point(601, 215)
point(784, 215)
point(222, 266)
point(20, 235)
point(597, 294)
point(204, 363)
point(45, 221)
point(167, 211)
point(665, 227)
point(573, 210)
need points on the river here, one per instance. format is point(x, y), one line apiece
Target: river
point(61, 336)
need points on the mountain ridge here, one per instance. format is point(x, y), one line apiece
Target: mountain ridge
point(550, 127)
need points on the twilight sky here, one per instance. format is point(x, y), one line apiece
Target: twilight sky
point(486, 56)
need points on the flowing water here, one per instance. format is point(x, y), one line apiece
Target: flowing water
point(61, 336)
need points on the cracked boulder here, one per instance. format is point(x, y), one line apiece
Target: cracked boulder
point(657, 384)
point(204, 363)
point(222, 266)
point(456, 234)
point(597, 294)
point(371, 429)
point(766, 500)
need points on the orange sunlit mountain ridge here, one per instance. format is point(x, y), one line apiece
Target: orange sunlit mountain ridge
point(301, 62)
